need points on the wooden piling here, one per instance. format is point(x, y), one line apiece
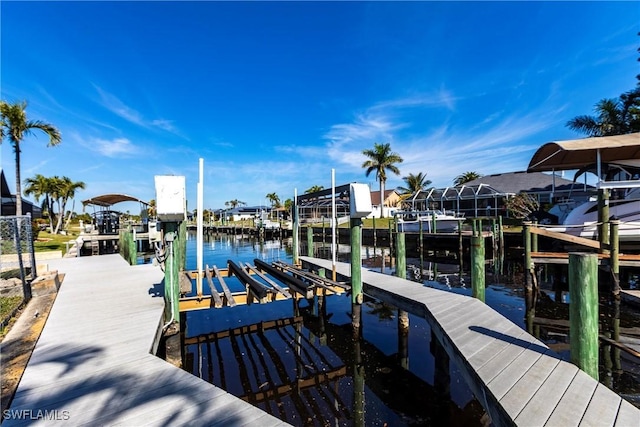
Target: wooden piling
point(401, 256)
point(460, 247)
point(356, 275)
point(310, 241)
point(172, 270)
point(603, 219)
point(477, 267)
point(403, 316)
point(127, 247)
point(583, 311)
point(614, 256)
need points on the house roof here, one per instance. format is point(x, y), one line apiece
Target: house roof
point(579, 153)
point(375, 196)
point(517, 182)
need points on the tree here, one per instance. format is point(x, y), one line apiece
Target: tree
point(234, 203)
point(40, 186)
point(152, 208)
point(66, 191)
point(414, 183)
point(608, 120)
point(381, 159)
point(314, 189)
point(288, 205)
point(15, 125)
point(274, 199)
point(466, 177)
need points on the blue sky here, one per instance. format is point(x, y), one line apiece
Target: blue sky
point(273, 95)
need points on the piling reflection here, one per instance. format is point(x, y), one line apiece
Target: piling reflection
point(307, 370)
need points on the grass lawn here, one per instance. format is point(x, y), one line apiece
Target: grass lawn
point(53, 242)
point(8, 304)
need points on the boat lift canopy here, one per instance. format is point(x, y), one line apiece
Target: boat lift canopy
point(107, 200)
point(580, 153)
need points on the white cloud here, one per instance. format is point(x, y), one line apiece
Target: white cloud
point(119, 108)
point(118, 147)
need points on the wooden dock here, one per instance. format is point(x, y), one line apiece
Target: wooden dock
point(94, 362)
point(516, 377)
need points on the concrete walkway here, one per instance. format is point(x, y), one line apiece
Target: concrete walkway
point(93, 363)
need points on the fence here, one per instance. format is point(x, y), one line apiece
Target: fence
point(17, 256)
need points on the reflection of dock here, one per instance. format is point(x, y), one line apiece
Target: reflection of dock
point(94, 364)
point(517, 378)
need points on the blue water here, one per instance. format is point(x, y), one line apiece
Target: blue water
point(248, 364)
point(387, 400)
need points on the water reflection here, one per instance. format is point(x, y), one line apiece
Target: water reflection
point(308, 370)
point(300, 362)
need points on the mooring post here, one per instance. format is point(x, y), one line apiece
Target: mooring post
point(534, 237)
point(375, 237)
point(172, 270)
point(403, 316)
point(356, 275)
point(615, 287)
point(528, 277)
point(501, 244)
point(421, 246)
point(460, 246)
point(477, 266)
point(614, 256)
point(583, 311)
point(603, 219)
point(310, 241)
point(401, 258)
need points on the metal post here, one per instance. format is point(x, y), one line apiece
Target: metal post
point(296, 226)
point(583, 311)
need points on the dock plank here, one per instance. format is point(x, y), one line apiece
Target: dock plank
point(602, 409)
point(627, 415)
point(516, 377)
point(569, 412)
point(94, 358)
point(515, 399)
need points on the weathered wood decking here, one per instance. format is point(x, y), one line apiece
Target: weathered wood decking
point(516, 377)
point(93, 363)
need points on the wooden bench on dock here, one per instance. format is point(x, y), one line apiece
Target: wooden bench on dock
point(516, 377)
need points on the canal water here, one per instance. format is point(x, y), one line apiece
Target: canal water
point(300, 363)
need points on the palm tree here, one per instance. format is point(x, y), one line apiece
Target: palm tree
point(608, 120)
point(274, 199)
point(466, 177)
point(414, 183)
point(380, 160)
point(152, 208)
point(15, 126)
point(235, 203)
point(40, 186)
point(67, 190)
point(314, 189)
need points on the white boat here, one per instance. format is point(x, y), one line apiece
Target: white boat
point(582, 221)
point(444, 221)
